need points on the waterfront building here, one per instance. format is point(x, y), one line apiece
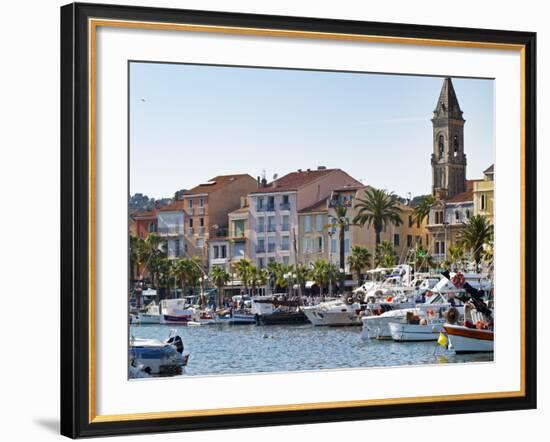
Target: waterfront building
point(238, 232)
point(404, 238)
point(313, 240)
point(206, 210)
point(145, 223)
point(274, 208)
point(447, 218)
point(170, 226)
point(484, 194)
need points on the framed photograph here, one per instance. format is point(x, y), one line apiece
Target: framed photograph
point(273, 220)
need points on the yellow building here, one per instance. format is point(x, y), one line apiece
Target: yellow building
point(484, 194)
point(313, 240)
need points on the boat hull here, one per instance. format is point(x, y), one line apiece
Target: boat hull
point(469, 340)
point(404, 332)
point(282, 318)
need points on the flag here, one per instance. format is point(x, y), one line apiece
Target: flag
point(442, 340)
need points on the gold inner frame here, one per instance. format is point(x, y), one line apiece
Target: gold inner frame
point(93, 24)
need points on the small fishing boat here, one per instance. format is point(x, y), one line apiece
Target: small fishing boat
point(277, 309)
point(464, 339)
point(416, 329)
point(154, 357)
point(235, 317)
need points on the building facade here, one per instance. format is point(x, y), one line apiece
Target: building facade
point(273, 215)
point(207, 207)
point(145, 223)
point(170, 226)
point(313, 239)
point(484, 191)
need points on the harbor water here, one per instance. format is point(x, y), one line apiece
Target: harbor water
point(224, 349)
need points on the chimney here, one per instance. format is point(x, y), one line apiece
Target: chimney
point(264, 182)
point(258, 180)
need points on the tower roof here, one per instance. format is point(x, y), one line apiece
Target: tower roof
point(447, 105)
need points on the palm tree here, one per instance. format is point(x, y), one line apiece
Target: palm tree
point(385, 255)
point(258, 277)
point(272, 270)
point(220, 278)
point(283, 276)
point(137, 255)
point(341, 220)
point(456, 255)
point(359, 260)
point(243, 269)
point(319, 274)
point(378, 208)
point(422, 209)
point(154, 252)
point(474, 234)
point(302, 276)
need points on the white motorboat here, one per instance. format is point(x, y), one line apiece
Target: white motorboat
point(334, 313)
point(154, 357)
point(150, 315)
point(235, 317)
point(417, 329)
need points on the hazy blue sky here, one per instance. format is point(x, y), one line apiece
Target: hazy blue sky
point(191, 123)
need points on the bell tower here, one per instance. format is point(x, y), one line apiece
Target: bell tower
point(448, 157)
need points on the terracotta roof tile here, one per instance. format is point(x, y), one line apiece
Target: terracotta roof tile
point(176, 205)
point(146, 214)
point(296, 180)
point(319, 206)
point(216, 183)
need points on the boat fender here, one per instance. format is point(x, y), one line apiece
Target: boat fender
point(452, 315)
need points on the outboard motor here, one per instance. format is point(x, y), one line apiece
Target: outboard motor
point(177, 342)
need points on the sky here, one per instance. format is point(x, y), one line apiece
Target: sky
point(190, 123)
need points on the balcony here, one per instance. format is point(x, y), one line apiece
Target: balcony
point(260, 208)
point(271, 228)
point(271, 248)
point(284, 206)
point(270, 208)
point(285, 247)
point(285, 228)
point(170, 230)
point(337, 202)
point(260, 228)
point(260, 249)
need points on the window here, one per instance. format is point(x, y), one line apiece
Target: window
point(409, 240)
point(261, 263)
point(177, 247)
point(261, 224)
point(185, 248)
point(285, 199)
point(410, 221)
point(455, 146)
point(238, 249)
point(190, 204)
point(286, 223)
point(319, 223)
point(418, 240)
point(442, 247)
point(285, 205)
point(259, 203)
point(239, 228)
point(261, 245)
point(201, 202)
point(191, 222)
point(441, 145)
point(271, 245)
point(320, 244)
point(271, 224)
point(215, 252)
point(200, 242)
point(201, 222)
point(333, 245)
point(439, 217)
point(151, 228)
point(223, 251)
point(396, 239)
point(307, 223)
point(304, 244)
point(482, 202)
point(285, 243)
point(457, 215)
point(285, 260)
point(270, 203)
point(346, 245)
point(468, 213)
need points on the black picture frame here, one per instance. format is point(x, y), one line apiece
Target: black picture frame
point(75, 220)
